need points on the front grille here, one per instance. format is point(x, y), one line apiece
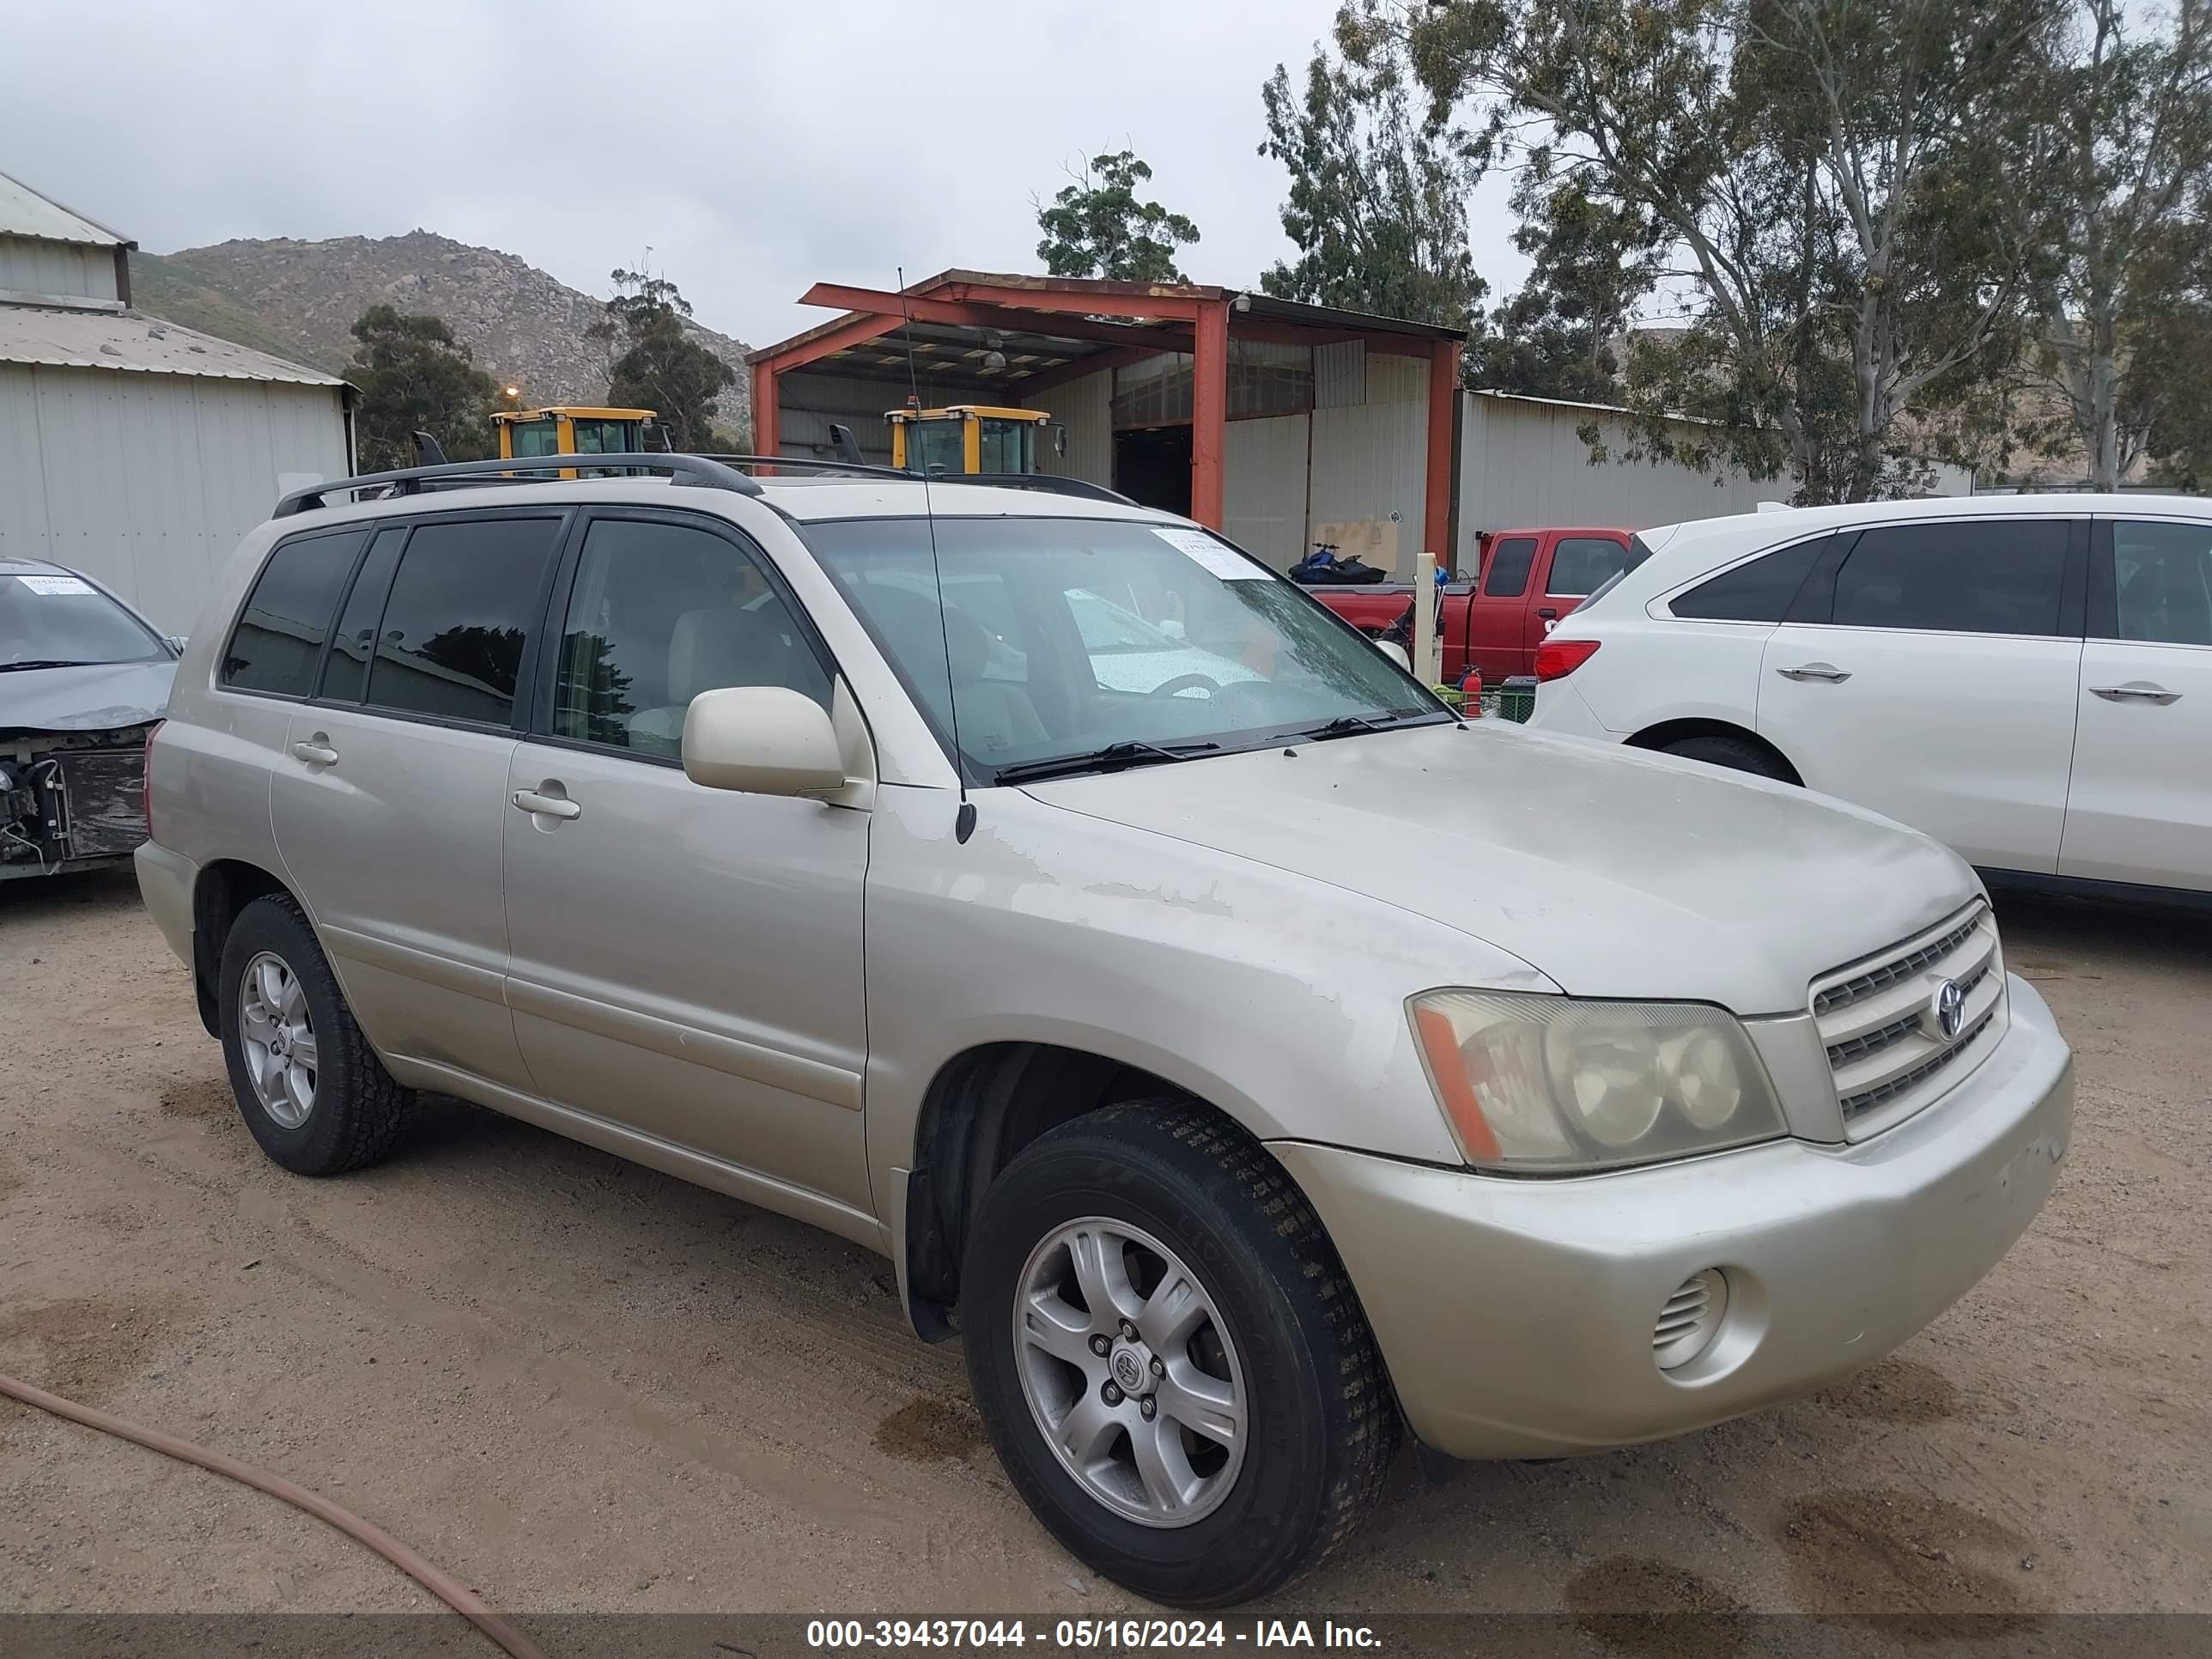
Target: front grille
point(1878, 1021)
point(1866, 1100)
point(1843, 1053)
point(1863, 985)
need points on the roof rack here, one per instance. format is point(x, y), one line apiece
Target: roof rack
point(1047, 482)
point(1042, 480)
point(808, 464)
point(715, 471)
point(704, 469)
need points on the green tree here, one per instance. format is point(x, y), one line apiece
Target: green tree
point(656, 365)
point(413, 376)
point(1562, 336)
point(1840, 192)
point(1378, 198)
point(1095, 226)
point(2131, 104)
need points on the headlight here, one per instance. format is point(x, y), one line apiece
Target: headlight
point(1541, 1082)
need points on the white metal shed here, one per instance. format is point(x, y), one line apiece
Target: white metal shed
point(132, 449)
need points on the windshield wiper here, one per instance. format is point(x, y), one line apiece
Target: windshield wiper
point(44, 662)
point(1346, 726)
point(1128, 753)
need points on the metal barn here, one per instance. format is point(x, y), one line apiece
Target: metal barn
point(132, 449)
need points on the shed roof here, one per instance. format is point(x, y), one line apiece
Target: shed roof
point(24, 212)
point(1069, 318)
point(51, 336)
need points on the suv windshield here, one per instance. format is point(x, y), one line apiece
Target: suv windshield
point(1068, 636)
point(51, 617)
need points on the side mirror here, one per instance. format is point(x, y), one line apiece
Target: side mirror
point(1059, 440)
point(1396, 653)
point(761, 740)
point(177, 643)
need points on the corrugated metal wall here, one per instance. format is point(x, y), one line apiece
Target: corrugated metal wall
point(148, 481)
point(1369, 463)
point(1522, 463)
point(1264, 487)
point(1392, 379)
point(30, 265)
point(1085, 408)
point(1340, 375)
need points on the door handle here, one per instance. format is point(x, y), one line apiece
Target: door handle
point(1548, 612)
point(1827, 672)
point(551, 806)
point(316, 751)
point(2137, 691)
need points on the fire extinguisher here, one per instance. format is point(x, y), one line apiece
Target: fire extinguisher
point(1470, 691)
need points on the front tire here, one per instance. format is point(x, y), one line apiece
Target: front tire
point(312, 1091)
point(1170, 1358)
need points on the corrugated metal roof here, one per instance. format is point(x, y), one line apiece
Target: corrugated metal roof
point(24, 212)
point(127, 340)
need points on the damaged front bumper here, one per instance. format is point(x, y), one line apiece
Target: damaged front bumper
point(71, 800)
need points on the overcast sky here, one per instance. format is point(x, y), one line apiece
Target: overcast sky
point(754, 148)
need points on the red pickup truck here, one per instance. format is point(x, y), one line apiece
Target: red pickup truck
point(1529, 578)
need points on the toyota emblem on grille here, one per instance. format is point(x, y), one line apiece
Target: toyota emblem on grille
point(1948, 1005)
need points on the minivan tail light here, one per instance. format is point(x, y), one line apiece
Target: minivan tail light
point(146, 777)
point(1557, 658)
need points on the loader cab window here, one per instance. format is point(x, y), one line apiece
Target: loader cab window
point(536, 437)
point(934, 446)
point(1007, 447)
point(603, 437)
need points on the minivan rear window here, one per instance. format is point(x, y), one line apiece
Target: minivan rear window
point(455, 628)
point(279, 636)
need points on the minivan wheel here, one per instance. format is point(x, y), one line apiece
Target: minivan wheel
point(312, 1091)
point(1734, 753)
point(1170, 1357)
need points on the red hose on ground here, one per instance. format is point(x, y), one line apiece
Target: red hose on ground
point(440, 1583)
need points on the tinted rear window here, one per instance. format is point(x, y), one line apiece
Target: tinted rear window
point(1998, 576)
point(279, 634)
point(1509, 568)
point(455, 628)
point(1759, 592)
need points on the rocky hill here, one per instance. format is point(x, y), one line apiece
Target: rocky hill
point(299, 300)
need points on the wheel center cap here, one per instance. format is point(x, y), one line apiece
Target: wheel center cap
point(277, 1043)
point(1131, 1364)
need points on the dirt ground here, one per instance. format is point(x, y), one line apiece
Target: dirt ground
point(585, 1386)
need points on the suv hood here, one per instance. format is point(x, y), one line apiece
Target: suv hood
point(97, 696)
point(1614, 872)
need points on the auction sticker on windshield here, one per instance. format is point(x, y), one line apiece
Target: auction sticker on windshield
point(55, 583)
point(1223, 561)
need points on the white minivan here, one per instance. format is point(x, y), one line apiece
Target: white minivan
point(2028, 678)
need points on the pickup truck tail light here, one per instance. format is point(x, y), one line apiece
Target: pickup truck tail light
point(1557, 658)
point(146, 778)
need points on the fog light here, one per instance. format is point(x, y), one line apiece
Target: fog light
point(1691, 1320)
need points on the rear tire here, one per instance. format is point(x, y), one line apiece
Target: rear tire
point(1280, 1358)
point(1737, 754)
point(312, 1091)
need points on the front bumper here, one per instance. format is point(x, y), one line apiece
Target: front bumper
point(1516, 1314)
